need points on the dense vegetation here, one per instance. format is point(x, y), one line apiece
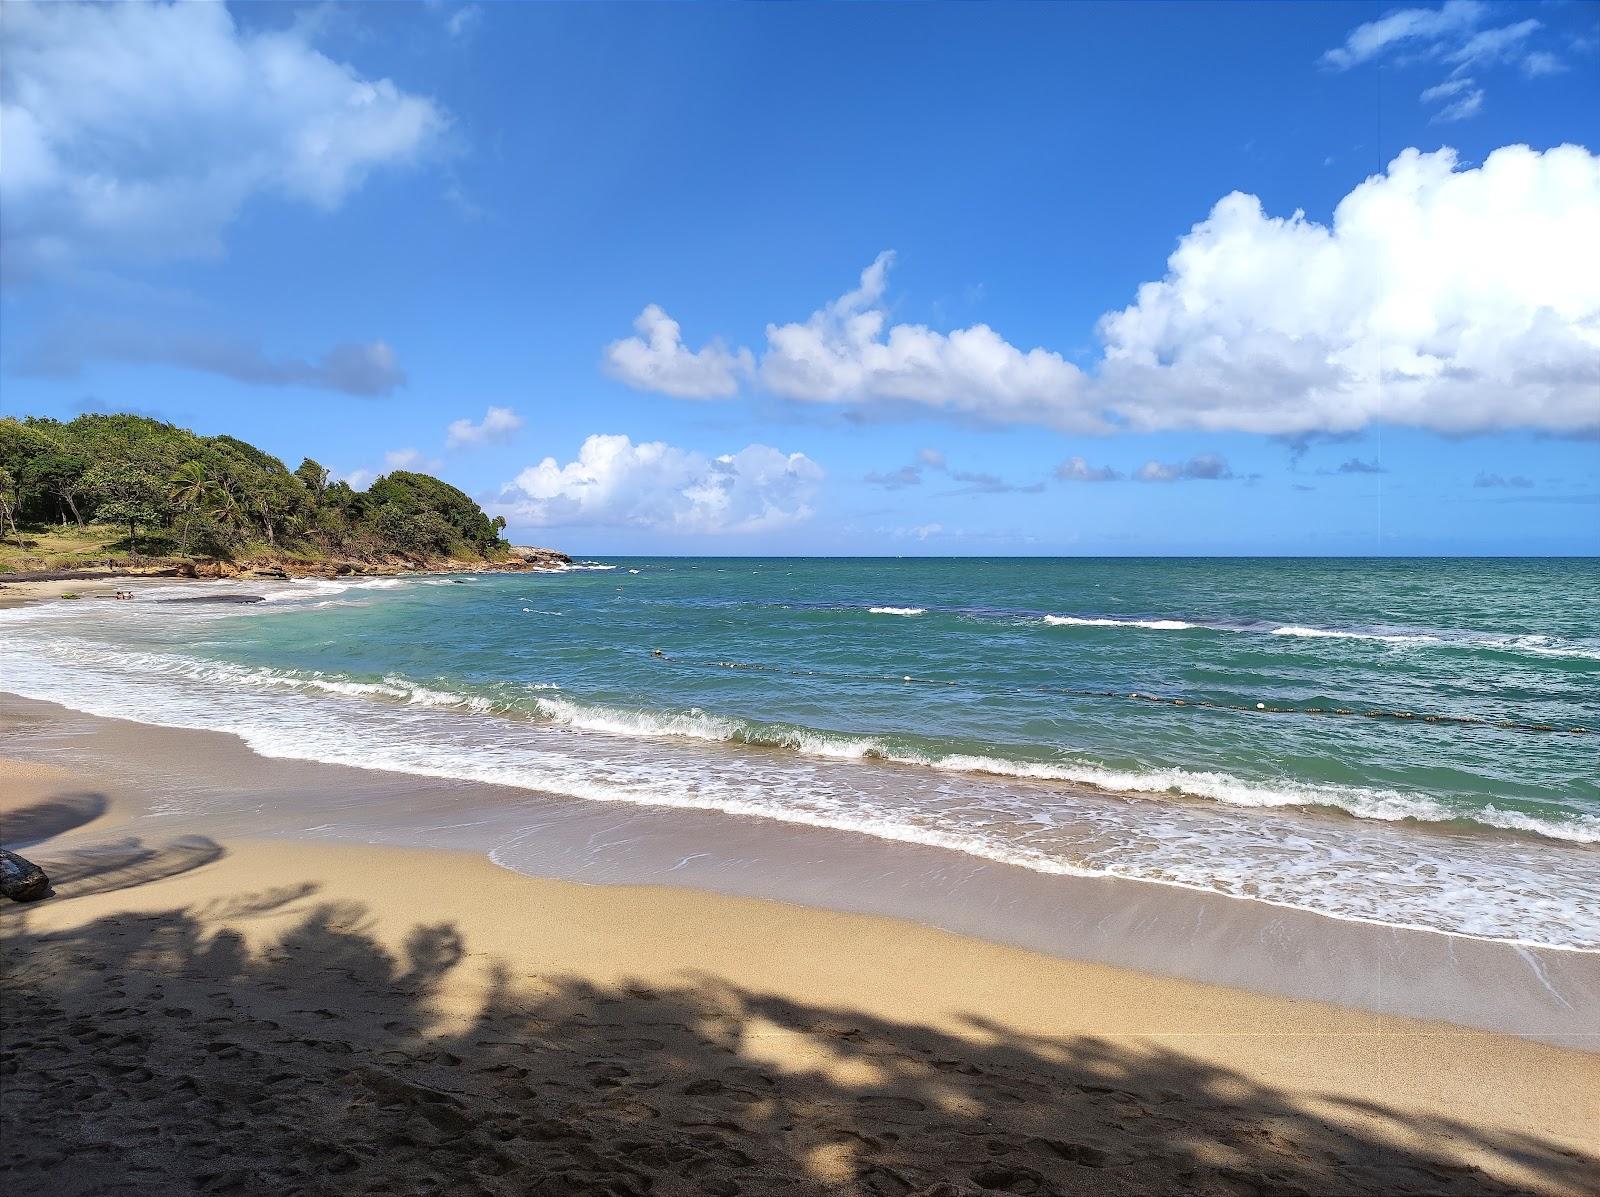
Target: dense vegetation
point(218, 497)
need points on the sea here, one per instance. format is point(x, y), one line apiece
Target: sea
point(1414, 743)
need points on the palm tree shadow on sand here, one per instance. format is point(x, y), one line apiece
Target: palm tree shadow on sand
point(161, 1053)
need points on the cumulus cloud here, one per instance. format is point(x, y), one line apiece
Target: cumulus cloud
point(1204, 467)
point(1486, 481)
point(366, 369)
point(658, 360)
point(1076, 469)
point(1452, 34)
point(499, 425)
point(665, 488)
point(848, 353)
point(1455, 300)
point(137, 131)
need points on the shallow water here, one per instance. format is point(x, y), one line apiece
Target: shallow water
point(1171, 721)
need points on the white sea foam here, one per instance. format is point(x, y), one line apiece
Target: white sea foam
point(1541, 645)
point(897, 610)
point(1154, 625)
point(1338, 634)
point(1367, 803)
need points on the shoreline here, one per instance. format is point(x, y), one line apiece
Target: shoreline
point(602, 1029)
point(1537, 993)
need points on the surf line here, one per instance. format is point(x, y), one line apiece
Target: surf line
point(1260, 708)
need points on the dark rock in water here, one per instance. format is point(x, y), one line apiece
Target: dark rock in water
point(21, 880)
point(234, 599)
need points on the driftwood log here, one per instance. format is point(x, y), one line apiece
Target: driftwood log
point(21, 880)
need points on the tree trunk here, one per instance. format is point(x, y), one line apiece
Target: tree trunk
point(132, 543)
point(77, 518)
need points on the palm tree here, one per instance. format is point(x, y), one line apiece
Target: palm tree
point(189, 488)
point(225, 499)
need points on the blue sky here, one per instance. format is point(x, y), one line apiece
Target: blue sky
point(886, 262)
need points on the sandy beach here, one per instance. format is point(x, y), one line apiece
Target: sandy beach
point(207, 1012)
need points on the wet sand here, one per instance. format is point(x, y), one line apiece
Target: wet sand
point(200, 1008)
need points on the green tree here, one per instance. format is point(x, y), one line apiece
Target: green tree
point(125, 493)
point(190, 486)
point(314, 476)
point(189, 489)
point(58, 477)
point(8, 516)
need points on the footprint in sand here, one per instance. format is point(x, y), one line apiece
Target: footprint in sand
point(1012, 1178)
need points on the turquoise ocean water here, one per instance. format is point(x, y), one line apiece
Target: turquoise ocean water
point(1389, 740)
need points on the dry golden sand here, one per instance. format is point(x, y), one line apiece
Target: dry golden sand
point(304, 1018)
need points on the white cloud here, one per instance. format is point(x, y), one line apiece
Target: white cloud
point(464, 21)
point(662, 487)
point(137, 131)
point(394, 459)
point(1493, 45)
point(410, 459)
point(847, 353)
point(1456, 300)
point(1449, 34)
point(1541, 63)
point(498, 426)
point(1205, 467)
point(1468, 105)
point(1076, 469)
point(658, 360)
point(1405, 26)
point(1443, 91)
